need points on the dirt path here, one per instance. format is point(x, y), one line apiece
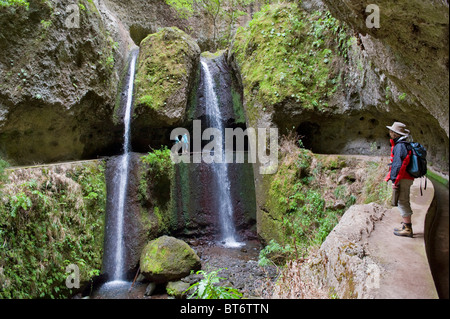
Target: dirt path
point(405, 272)
point(52, 164)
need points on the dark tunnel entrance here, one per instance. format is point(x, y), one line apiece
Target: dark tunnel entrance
point(306, 132)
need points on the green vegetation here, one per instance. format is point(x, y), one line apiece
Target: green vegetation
point(183, 7)
point(155, 190)
point(162, 67)
point(301, 207)
point(159, 163)
point(209, 288)
point(430, 174)
point(50, 218)
point(225, 12)
point(17, 3)
point(238, 108)
point(286, 53)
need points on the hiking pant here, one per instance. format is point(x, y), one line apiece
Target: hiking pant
point(404, 204)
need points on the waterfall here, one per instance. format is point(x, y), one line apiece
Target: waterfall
point(220, 170)
point(115, 250)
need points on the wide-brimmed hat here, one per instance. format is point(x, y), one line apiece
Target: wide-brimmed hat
point(399, 128)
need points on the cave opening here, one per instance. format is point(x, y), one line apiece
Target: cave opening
point(306, 132)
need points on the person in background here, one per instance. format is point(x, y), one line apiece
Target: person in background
point(185, 142)
point(401, 180)
point(177, 140)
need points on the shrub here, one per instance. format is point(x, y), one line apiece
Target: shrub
point(208, 287)
point(50, 218)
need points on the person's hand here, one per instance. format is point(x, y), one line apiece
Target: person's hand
point(394, 186)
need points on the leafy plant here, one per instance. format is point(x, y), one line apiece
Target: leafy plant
point(274, 253)
point(208, 287)
point(159, 162)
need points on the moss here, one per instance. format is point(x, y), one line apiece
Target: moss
point(161, 68)
point(155, 192)
point(283, 54)
point(285, 187)
point(50, 217)
point(437, 178)
point(177, 288)
point(210, 55)
point(237, 106)
point(167, 258)
point(193, 96)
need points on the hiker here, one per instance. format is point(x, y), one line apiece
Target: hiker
point(185, 142)
point(401, 179)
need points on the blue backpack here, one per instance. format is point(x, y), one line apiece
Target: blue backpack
point(417, 166)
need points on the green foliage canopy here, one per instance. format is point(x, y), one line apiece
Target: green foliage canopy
point(18, 3)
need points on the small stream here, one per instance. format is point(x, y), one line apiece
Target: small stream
point(437, 241)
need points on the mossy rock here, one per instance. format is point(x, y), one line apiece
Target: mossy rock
point(168, 259)
point(289, 55)
point(177, 289)
point(168, 61)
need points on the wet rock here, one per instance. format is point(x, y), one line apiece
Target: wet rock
point(150, 289)
point(58, 84)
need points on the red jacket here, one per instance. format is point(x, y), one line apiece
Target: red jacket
point(400, 156)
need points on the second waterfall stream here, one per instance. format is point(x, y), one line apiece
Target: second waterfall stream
point(220, 170)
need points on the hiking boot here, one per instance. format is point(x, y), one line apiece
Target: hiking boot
point(402, 225)
point(405, 230)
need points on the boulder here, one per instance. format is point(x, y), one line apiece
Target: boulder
point(177, 289)
point(166, 74)
point(168, 259)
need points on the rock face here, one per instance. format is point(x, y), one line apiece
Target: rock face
point(145, 17)
point(342, 261)
point(168, 259)
point(415, 86)
point(410, 32)
point(196, 206)
point(58, 80)
point(340, 98)
point(168, 62)
point(57, 83)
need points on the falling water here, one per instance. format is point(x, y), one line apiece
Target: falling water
point(115, 230)
point(220, 169)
